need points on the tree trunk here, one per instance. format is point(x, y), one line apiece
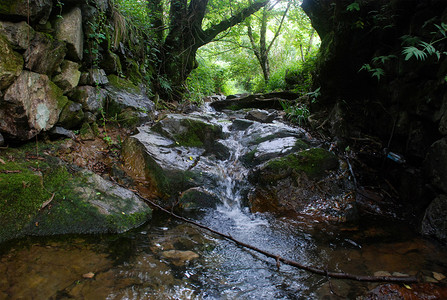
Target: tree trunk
point(186, 36)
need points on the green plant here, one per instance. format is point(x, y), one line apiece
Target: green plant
point(420, 49)
point(375, 72)
point(296, 113)
point(314, 95)
point(353, 6)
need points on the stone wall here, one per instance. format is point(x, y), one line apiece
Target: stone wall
point(374, 88)
point(55, 60)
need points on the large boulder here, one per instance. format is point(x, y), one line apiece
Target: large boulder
point(304, 183)
point(18, 34)
point(30, 105)
point(171, 157)
point(72, 115)
point(91, 98)
point(11, 64)
point(36, 10)
point(127, 101)
point(69, 77)
point(62, 199)
point(435, 219)
point(69, 29)
point(45, 54)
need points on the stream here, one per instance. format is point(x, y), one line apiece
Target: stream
point(168, 259)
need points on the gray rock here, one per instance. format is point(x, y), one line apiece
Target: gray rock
point(69, 29)
point(18, 34)
point(260, 115)
point(72, 115)
point(58, 132)
point(2, 140)
point(91, 98)
point(98, 77)
point(69, 77)
point(436, 164)
point(37, 10)
point(44, 54)
point(198, 198)
point(435, 219)
point(31, 104)
point(11, 64)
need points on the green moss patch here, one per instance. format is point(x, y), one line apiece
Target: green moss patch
point(314, 162)
point(123, 84)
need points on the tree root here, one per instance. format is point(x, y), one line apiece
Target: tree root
point(278, 259)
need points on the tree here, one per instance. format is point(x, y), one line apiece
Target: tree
point(261, 48)
point(186, 34)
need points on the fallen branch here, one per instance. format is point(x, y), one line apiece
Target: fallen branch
point(338, 275)
point(45, 204)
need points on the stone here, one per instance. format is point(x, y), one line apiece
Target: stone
point(436, 164)
point(37, 10)
point(69, 29)
point(111, 63)
point(435, 219)
point(260, 115)
point(31, 104)
point(82, 203)
point(97, 77)
point(264, 101)
point(178, 257)
point(123, 94)
point(11, 64)
point(45, 54)
point(69, 77)
point(72, 115)
point(91, 98)
point(2, 140)
point(18, 34)
point(198, 198)
point(58, 132)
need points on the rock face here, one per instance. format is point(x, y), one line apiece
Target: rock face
point(11, 64)
point(30, 105)
point(18, 34)
point(45, 54)
point(435, 219)
point(69, 29)
point(62, 199)
point(39, 10)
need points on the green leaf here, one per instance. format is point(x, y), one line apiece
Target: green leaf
point(353, 6)
point(411, 51)
point(377, 73)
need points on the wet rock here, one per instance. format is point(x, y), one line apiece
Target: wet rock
point(37, 11)
point(45, 54)
point(179, 258)
point(303, 183)
point(436, 164)
point(69, 76)
point(91, 98)
point(11, 64)
point(197, 198)
point(435, 218)
point(240, 124)
point(416, 291)
point(72, 115)
point(18, 34)
point(260, 115)
point(261, 101)
point(31, 104)
point(69, 29)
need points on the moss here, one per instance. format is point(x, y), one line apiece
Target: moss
point(121, 83)
point(133, 72)
point(198, 133)
point(314, 162)
point(126, 221)
point(57, 94)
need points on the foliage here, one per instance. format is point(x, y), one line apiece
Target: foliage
point(375, 72)
point(296, 113)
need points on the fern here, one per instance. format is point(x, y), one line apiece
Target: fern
point(377, 72)
point(383, 58)
point(411, 51)
point(353, 6)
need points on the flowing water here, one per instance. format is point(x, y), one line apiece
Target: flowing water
point(167, 259)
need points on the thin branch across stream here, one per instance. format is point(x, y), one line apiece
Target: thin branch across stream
point(338, 275)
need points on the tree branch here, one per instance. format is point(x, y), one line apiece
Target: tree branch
point(279, 28)
point(213, 31)
point(339, 275)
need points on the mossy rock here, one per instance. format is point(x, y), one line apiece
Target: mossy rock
point(124, 84)
point(41, 195)
point(313, 162)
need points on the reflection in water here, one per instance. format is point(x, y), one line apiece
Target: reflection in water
point(136, 265)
